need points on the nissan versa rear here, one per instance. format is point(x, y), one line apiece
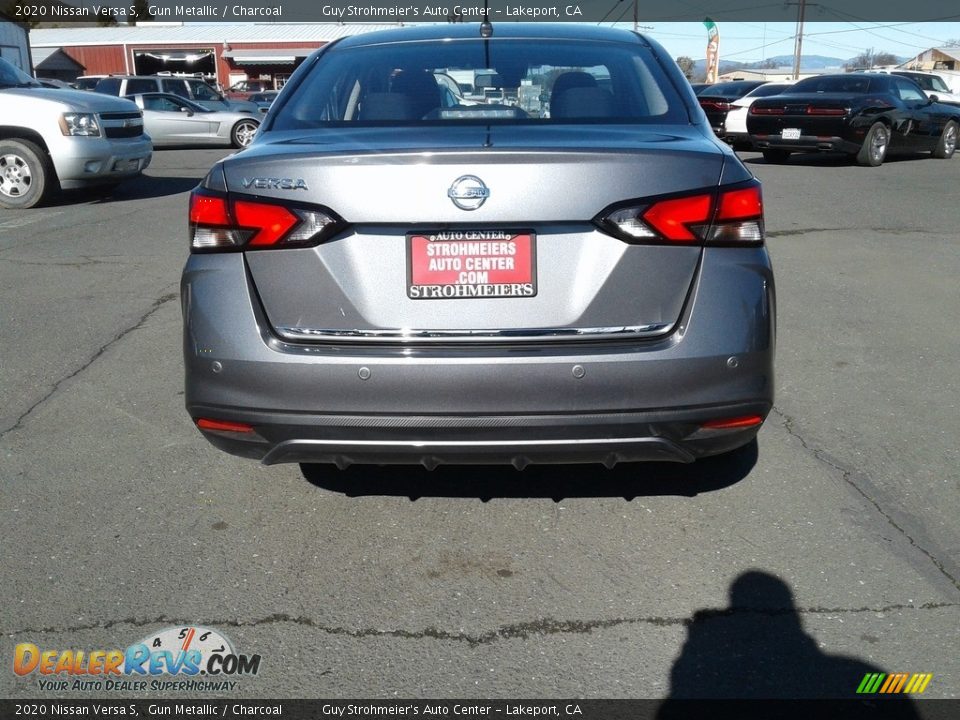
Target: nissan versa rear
point(563, 265)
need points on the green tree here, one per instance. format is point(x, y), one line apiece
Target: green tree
point(686, 65)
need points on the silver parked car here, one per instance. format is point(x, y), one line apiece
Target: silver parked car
point(172, 120)
point(385, 277)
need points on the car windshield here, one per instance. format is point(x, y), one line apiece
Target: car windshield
point(12, 76)
point(515, 81)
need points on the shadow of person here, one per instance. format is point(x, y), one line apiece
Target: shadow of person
point(757, 649)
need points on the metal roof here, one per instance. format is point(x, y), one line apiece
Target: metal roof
point(209, 33)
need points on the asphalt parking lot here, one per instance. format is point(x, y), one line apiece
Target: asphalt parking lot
point(831, 551)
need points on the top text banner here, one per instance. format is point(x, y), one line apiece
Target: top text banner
point(497, 11)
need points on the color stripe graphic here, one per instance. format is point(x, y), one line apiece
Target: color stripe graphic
point(894, 683)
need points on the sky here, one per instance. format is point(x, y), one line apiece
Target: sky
point(746, 42)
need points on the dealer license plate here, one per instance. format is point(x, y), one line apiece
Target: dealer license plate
point(452, 264)
point(790, 134)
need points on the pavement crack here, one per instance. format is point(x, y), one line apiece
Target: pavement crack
point(157, 304)
point(514, 631)
point(849, 477)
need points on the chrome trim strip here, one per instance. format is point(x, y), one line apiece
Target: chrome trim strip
point(624, 332)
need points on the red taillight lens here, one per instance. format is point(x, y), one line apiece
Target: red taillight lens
point(814, 110)
point(270, 223)
point(730, 423)
point(730, 216)
point(715, 105)
point(673, 218)
point(208, 210)
point(224, 426)
point(754, 110)
point(745, 204)
point(218, 223)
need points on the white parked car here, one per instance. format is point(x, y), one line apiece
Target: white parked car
point(931, 84)
point(735, 127)
point(64, 139)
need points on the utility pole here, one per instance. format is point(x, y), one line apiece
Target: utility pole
point(798, 40)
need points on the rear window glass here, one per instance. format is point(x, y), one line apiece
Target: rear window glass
point(512, 81)
point(108, 86)
point(729, 89)
point(849, 85)
point(768, 90)
point(135, 86)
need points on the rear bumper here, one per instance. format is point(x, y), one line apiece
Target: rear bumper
point(520, 440)
point(806, 143)
point(519, 404)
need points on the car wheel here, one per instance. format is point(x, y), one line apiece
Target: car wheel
point(874, 148)
point(948, 142)
point(243, 133)
point(776, 156)
point(25, 174)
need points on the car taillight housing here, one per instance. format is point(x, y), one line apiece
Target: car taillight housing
point(833, 111)
point(720, 105)
point(220, 222)
point(754, 110)
point(731, 215)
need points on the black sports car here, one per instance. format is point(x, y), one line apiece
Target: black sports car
point(717, 100)
point(863, 115)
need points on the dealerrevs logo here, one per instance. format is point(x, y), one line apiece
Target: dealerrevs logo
point(182, 652)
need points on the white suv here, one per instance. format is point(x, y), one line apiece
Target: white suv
point(65, 138)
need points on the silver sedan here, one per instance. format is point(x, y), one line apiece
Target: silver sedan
point(173, 120)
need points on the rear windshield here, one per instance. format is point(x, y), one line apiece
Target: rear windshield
point(729, 89)
point(856, 85)
point(768, 90)
point(512, 81)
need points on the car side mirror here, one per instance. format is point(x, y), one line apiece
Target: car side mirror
point(933, 98)
point(187, 110)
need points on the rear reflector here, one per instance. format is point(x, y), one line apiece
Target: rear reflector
point(737, 422)
point(224, 426)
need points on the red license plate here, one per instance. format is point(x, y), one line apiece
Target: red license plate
point(450, 264)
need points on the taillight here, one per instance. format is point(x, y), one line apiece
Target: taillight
point(730, 216)
point(754, 110)
point(814, 110)
point(220, 223)
point(715, 105)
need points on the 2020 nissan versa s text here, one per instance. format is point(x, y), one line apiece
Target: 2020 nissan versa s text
point(574, 272)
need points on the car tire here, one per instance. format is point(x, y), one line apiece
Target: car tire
point(874, 149)
point(776, 157)
point(26, 174)
point(243, 133)
point(947, 144)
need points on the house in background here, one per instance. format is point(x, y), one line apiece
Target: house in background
point(55, 64)
point(15, 43)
